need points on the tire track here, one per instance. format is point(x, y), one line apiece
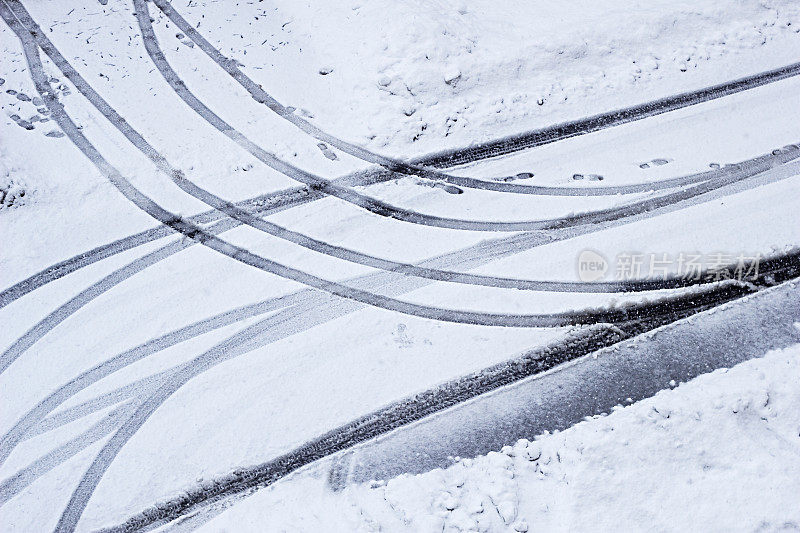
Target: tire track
point(58, 316)
point(303, 240)
point(448, 158)
point(20, 480)
point(144, 201)
point(501, 147)
point(36, 415)
point(348, 195)
point(442, 159)
point(261, 205)
point(342, 253)
point(244, 256)
point(231, 347)
point(434, 400)
point(119, 395)
point(466, 258)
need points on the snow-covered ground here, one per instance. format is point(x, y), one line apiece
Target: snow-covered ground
point(400, 77)
point(719, 453)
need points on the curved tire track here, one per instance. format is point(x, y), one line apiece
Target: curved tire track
point(55, 318)
point(493, 149)
point(196, 233)
point(348, 195)
point(434, 400)
point(442, 159)
point(147, 204)
point(466, 258)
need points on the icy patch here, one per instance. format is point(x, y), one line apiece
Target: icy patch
point(719, 452)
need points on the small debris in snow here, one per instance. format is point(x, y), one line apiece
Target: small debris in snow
point(452, 74)
point(521, 526)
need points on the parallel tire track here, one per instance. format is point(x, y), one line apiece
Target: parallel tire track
point(467, 259)
point(63, 312)
point(199, 235)
point(373, 205)
point(451, 393)
point(493, 149)
point(442, 159)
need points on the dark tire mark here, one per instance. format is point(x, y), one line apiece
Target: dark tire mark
point(260, 205)
point(63, 312)
point(493, 149)
point(443, 159)
point(447, 395)
point(466, 259)
point(144, 201)
point(375, 424)
point(348, 195)
point(196, 233)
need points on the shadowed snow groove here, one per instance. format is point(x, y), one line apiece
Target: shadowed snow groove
point(437, 399)
point(492, 149)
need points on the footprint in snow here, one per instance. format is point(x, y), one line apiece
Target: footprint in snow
point(655, 163)
point(327, 152)
point(21, 122)
point(520, 176)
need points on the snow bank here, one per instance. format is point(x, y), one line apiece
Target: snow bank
point(719, 453)
point(392, 73)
